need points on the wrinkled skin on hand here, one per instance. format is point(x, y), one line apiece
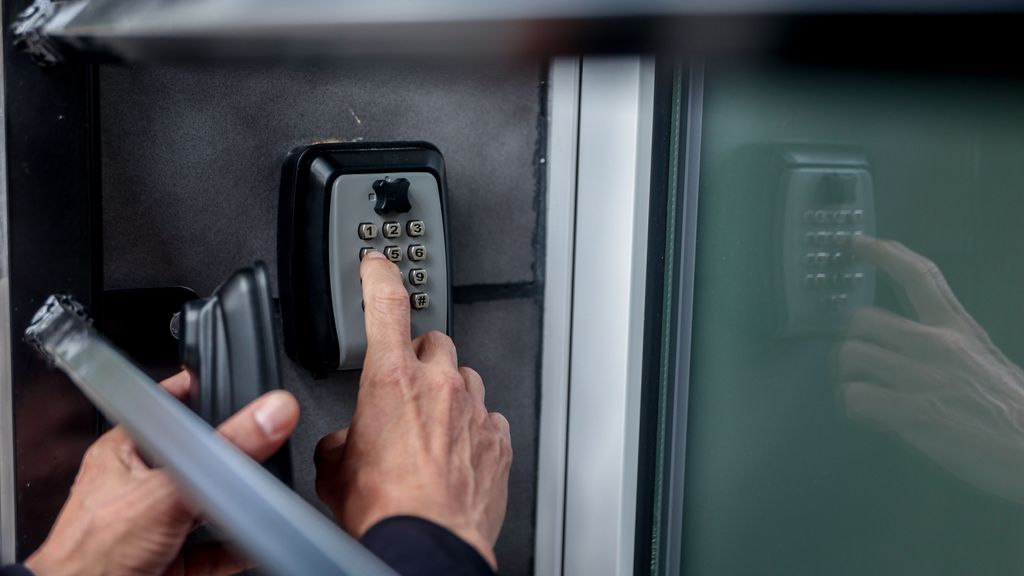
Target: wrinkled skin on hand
point(422, 442)
point(124, 518)
point(939, 383)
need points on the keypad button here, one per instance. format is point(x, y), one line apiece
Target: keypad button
point(367, 231)
point(415, 228)
point(417, 252)
point(393, 253)
point(857, 216)
point(824, 236)
point(391, 229)
point(364, 251)
point(417, 276)
point(419, 300)
point(821, 217)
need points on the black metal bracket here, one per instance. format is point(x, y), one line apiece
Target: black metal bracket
point(145, 322)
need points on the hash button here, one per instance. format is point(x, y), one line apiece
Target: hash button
point(419, 300)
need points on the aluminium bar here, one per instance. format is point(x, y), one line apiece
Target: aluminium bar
point(156, 29)
point(267, 521)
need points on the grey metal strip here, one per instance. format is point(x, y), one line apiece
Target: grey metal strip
point(265, 519)
point(676, 430)
point(7, 482)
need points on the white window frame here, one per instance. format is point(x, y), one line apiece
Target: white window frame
point(599, 174)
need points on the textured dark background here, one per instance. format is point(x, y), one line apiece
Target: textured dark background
point(191, 166)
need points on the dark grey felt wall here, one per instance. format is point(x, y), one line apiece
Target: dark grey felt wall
point(191, 163)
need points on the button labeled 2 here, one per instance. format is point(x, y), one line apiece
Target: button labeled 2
point(392, 229)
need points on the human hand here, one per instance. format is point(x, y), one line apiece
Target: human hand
point(421, 441)
point(939, 383)
point(123, 518)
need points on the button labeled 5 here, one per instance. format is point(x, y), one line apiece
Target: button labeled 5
point(394, 253)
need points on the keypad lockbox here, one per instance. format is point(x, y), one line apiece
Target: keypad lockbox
point(339, 202)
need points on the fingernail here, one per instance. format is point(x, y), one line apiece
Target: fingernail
point(274, 414)
point(373, 254)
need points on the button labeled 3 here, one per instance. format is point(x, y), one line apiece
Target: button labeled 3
point(394, 253)
point(415, 228)
point(417, 276)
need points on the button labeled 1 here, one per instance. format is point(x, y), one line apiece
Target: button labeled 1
point(367, 231)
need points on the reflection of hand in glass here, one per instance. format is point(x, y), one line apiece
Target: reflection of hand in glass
point(939, 383)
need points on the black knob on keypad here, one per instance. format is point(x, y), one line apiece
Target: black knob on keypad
point(392, 196)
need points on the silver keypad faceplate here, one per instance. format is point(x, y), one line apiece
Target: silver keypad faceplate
point(352, 204)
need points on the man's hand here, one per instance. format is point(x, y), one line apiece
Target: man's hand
point(938, 382)
point(421, 441)
point(124, 518)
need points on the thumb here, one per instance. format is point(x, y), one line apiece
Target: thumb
point(264, 425)
point(330, 448)
point(327, 459)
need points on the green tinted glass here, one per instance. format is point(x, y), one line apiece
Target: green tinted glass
point(856, 404)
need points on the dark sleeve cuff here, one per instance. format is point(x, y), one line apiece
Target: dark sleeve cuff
point(417, 547)
point(15, 570)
